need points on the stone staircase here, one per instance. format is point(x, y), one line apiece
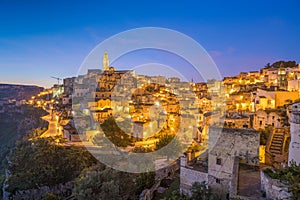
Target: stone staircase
point(277, 143)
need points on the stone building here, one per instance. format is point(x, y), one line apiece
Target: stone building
point(68, 85)
point(240, 101)
point(237, 121)
point(101, 115)
point(273, 98)
point(294, 148)
point(269, 117)
point(228, 148)
point(110, 84)
point(70, 132)
point(205, 104)
point(105, 62)
point(293, 85)
point(138, 130)
point(80, 90)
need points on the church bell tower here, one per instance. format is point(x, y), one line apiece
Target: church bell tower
point(105, 64)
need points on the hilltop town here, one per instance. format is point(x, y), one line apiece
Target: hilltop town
point(238, 132)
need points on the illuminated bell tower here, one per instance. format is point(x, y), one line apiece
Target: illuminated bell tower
point(105, 64)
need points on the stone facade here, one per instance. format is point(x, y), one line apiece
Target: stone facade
point(68, 85)
point(237, 122)
point(270, 117)
point(227, 148)
point(277, 98)
point(188, 176)
point(294, 148)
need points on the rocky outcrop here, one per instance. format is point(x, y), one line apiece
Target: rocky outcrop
point(18, 92)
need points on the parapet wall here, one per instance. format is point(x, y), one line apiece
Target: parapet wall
point(273, 188)
point(190, 176)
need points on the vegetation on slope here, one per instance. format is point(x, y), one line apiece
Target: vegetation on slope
point(45, 161)
point(100, 182)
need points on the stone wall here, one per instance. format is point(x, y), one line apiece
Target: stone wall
point(294, 148)
point(228, 147)
point(233, 189)
point(228, 142)
point(222, 188)
point(190, 176)
point(273, 188)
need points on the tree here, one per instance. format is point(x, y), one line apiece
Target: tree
point(110, 190)
point(140, 149)
point(200, 191)
point(284, 64)
point(117, 136)
point(292, 175)
point(45, 162)
point(88, 186)
point(175, 195)
point(145, 180)
point(264, 135)
point(100, 182)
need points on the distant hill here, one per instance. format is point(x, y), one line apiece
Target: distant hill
point(18, 92)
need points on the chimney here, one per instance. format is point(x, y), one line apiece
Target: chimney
point(183, 160)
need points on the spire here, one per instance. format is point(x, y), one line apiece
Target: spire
point(105, 64)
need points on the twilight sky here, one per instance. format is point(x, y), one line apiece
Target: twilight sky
point(39, 39)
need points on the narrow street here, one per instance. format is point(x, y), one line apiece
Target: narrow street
point(53, 129)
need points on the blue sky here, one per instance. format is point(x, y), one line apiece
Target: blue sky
point(39, 39)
